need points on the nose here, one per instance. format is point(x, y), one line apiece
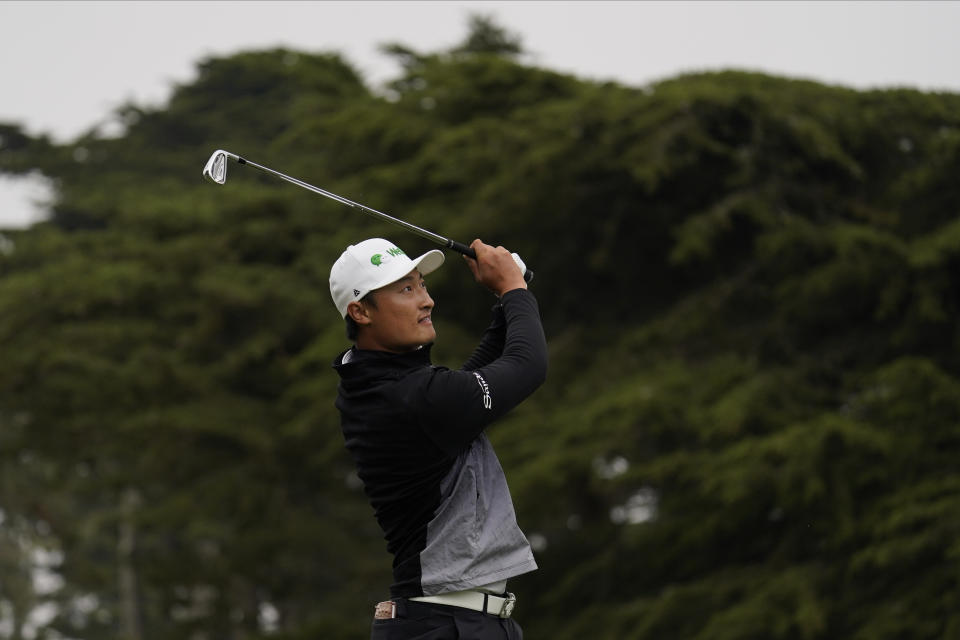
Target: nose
point(426, 302)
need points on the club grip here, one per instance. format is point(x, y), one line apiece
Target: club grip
point(461, 248)
point(470, 253)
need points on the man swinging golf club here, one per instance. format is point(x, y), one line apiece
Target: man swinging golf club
point(416, 433)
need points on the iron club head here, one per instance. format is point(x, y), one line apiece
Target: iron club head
point(216, 168)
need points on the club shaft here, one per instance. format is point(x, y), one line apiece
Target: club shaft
point(423, 233)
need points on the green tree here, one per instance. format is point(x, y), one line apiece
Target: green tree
point(749, 285)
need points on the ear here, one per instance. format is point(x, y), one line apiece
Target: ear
point(358, 312)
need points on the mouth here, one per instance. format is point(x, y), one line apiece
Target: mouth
point(425, 320)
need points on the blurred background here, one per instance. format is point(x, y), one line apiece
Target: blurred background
point(745, 224)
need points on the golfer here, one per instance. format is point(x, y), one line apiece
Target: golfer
point(416, 433)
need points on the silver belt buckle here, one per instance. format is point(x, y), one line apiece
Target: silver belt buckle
point(506, 609)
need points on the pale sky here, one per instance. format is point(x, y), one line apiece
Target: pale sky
point(65, 66)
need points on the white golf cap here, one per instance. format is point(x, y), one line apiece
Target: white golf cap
point(372, 264)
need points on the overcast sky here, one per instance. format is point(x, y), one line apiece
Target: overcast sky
point(65, 66)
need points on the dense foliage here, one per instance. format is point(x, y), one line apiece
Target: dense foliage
point(750, 286)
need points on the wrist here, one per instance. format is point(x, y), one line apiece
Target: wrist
point(508, 289)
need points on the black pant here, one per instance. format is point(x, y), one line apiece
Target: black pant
point(428, 621)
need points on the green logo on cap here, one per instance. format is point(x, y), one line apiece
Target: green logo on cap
point(378, 259)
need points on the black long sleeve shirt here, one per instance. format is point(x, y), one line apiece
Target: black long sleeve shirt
point(415, 431)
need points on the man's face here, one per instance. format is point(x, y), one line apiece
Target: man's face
point(400, 321)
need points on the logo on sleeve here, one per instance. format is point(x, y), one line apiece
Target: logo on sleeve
point(487, 400)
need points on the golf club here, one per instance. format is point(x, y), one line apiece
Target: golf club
point(216, 171)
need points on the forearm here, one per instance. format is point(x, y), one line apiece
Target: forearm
point(522, 365)
point(491, 344)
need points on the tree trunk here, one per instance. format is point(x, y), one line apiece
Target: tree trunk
point(130, 627)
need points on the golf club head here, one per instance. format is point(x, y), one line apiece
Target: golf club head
point(216, 167)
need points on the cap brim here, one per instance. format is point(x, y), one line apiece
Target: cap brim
point(430, 261)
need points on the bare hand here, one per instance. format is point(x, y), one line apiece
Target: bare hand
point(495, 268)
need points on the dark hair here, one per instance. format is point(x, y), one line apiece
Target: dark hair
point(352, 327)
